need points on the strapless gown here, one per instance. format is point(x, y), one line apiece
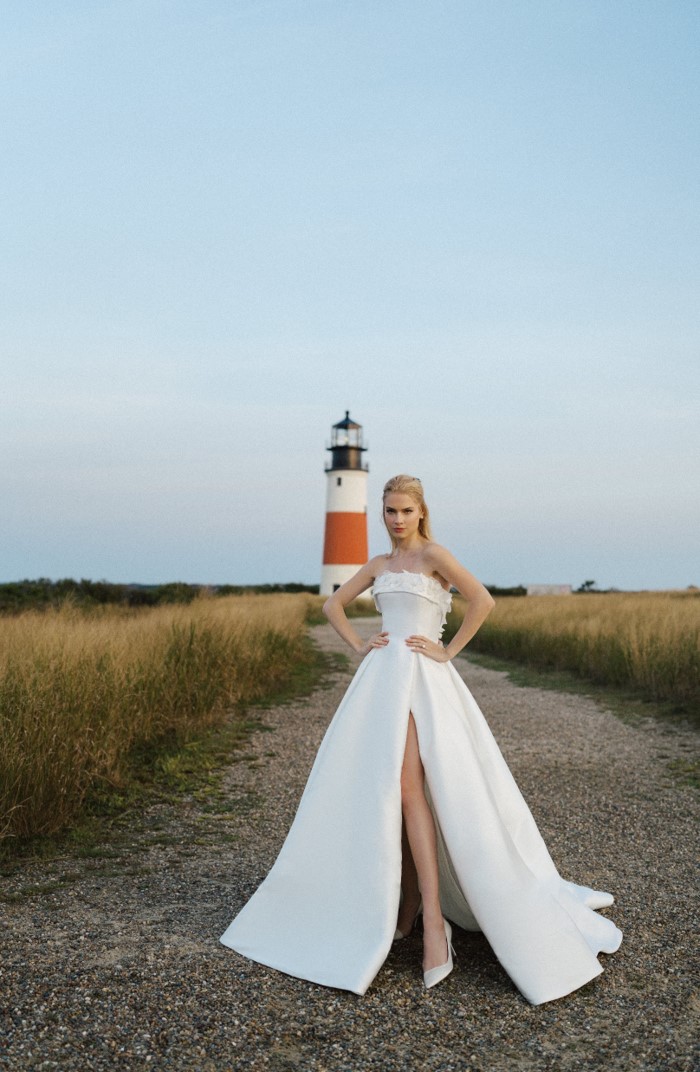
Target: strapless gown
point(327, 910)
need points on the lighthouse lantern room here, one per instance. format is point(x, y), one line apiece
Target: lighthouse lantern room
point(345, 542)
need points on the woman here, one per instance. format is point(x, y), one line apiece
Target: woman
point(410, 806)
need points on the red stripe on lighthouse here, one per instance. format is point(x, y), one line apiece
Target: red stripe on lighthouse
point(345, 543)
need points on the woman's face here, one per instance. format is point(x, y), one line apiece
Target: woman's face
point(402, 515)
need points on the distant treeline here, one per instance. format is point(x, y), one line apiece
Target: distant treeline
point(17, 596)
point(517, 590)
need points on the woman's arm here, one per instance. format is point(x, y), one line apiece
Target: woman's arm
point(334, 609)
point(479, 602)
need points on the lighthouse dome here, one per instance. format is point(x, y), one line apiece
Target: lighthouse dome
point(346, 445)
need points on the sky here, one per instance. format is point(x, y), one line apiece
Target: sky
point(473, 225)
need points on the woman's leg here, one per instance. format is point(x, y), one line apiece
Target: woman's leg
point(420, 831)
point(410, 901)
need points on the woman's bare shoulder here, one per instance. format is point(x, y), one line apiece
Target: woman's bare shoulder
point(435, 555)
point(377, 565)
point(455, 573)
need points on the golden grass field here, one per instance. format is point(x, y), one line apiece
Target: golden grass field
point(81, 690)
point(647, 641)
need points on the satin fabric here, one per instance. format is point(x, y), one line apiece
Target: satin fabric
point(327, 910)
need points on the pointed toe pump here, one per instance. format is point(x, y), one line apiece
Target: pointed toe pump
point(435, 975)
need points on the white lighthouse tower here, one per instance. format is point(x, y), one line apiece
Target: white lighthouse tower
point(345, 542)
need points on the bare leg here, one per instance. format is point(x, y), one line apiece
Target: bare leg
point(420, 830)
point(409, 886)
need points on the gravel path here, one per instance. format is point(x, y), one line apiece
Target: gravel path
point(113, 962)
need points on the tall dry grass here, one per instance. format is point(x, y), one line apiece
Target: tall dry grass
point(648, 641)
point(79, 691)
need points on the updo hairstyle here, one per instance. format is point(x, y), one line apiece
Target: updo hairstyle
point(408, 485)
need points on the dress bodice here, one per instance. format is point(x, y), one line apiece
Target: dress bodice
point(411, 603)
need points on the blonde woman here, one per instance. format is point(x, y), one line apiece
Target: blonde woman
point(410, 806)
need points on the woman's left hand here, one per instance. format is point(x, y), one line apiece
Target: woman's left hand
point(423, 646)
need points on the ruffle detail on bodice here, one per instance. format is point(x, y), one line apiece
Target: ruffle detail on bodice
point(418, 583)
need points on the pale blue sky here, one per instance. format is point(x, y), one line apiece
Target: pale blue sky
point(475, 225)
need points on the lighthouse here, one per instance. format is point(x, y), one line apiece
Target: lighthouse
point(345, 541)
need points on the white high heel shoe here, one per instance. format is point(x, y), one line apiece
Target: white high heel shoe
point(433, 976)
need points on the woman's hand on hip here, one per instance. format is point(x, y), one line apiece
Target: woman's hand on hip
point(377, 640)
point(424, 646)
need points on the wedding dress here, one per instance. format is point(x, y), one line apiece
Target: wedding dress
point(327, 910)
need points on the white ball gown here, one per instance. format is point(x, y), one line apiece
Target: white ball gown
point(327, 910)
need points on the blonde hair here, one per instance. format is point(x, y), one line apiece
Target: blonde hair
point(411, 486)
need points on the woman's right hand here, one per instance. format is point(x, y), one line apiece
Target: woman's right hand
point(378, 640)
